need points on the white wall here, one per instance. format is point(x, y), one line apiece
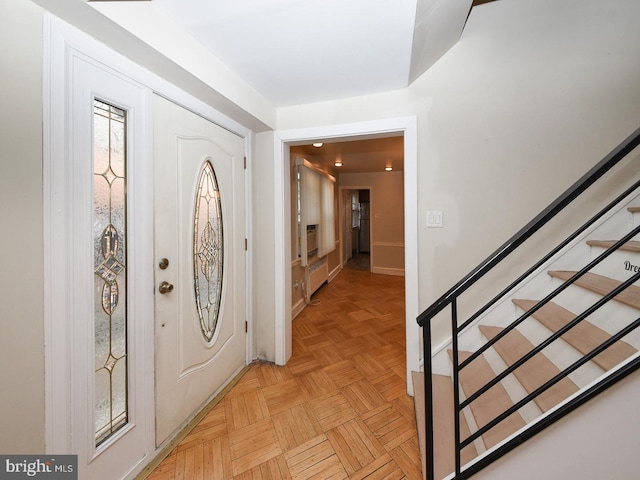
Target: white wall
point(21, 221)
point(533, 95)
point(262, 243)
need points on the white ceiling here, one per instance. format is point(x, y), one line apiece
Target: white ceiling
point(357, 156)
point(296, 52)
point(303, 51)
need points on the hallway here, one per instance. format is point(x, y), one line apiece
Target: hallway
point(338, 409)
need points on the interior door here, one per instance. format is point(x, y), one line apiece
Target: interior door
point(200, 262)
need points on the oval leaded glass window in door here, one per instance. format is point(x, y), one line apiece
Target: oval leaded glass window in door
point(208, 250)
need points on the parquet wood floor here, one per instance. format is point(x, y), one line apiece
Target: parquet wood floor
point(338, 409)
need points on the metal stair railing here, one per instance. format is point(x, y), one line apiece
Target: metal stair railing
point(450, 299)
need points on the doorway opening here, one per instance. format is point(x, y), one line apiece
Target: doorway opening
point(356, 205)
point(401, 127)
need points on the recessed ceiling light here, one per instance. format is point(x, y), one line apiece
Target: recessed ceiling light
point(318, 144)
point(388, 169)
point(337, 163)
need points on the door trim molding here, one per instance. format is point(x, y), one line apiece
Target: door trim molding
point(408, 127)
point(56, 256)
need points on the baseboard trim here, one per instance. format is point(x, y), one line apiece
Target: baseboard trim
point(399, 272)
point(334, 273)
point(297, 308)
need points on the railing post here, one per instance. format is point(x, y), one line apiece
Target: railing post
point(456, 384)
point(428, 401)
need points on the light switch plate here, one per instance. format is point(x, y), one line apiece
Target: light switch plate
point(434, 219)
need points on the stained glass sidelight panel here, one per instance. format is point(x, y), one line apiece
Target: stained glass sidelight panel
point(110, 279)
point(208, 251)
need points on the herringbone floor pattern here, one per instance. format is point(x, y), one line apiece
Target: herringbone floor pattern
point(338, 409)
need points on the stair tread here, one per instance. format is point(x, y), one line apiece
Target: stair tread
point(443, 425)
point(632, 246)
point(491, 404)
point(534, 373)
point(584, 337)
point(602, 285)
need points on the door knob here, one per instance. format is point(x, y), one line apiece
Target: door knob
point(165, 287)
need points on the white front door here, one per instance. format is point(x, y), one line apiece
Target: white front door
point(199, 261)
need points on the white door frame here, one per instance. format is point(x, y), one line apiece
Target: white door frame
point(283, 138)
point(62, 44)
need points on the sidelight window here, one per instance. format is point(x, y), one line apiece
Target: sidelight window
point(110, 269)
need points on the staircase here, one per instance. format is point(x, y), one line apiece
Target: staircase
point(544, 345)
point(513, 345)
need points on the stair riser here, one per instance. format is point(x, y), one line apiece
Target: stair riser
point(611, 317)
point(561, 354)
point(513, 387)
point(620, 265)
point(635, 217)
